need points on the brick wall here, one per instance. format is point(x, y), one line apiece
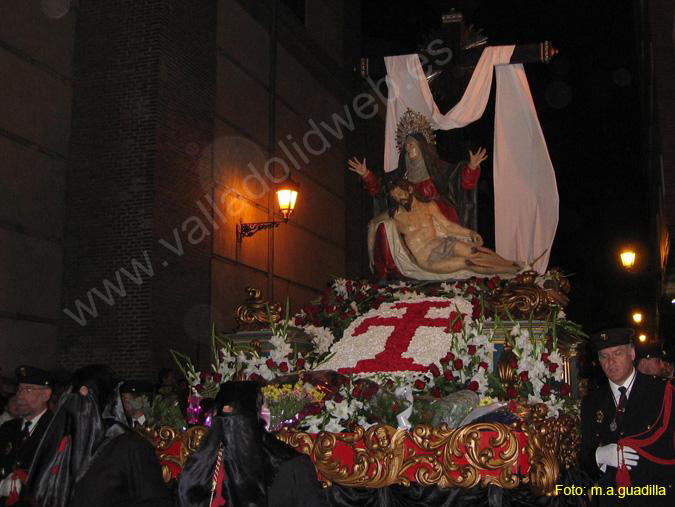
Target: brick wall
point(36, 47)
point(143, 88)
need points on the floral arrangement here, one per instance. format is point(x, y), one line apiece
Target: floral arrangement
point(392, 346)
point(286, 402)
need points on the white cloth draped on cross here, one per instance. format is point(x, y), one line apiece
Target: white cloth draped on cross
point(526, 194)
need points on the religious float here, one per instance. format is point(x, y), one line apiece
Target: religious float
point(455, 384)
point(459, 376)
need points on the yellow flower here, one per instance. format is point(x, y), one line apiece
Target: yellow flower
point(485, 400)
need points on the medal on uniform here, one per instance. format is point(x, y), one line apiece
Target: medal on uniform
point(599, 416)
point(612, 425)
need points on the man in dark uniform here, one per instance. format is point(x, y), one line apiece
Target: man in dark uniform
point(19, 438)
point(136, 395)
point(653, 360)
point(89, 458)
point(627, 437)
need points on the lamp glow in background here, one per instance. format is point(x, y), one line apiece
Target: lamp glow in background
point(627, 258)
point(286, 198)
point(642, 338)
point(637, 317)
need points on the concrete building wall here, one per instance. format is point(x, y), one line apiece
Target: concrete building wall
point(281, 99)
point(36, 55)
point(134, 137)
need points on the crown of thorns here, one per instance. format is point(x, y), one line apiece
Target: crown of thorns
point(412, 122)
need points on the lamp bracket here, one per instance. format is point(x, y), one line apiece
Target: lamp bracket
point(249, 229)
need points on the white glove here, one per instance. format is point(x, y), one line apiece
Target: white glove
point(608, 455)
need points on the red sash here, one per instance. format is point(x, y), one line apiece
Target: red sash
point(641, 440)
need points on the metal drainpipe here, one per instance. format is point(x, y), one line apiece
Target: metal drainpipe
point(272, 138)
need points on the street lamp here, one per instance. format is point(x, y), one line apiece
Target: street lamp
point(287, 196)
point(637, 317)
point(627, 258)
point(642, 338)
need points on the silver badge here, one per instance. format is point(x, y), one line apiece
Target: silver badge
point(612, 425)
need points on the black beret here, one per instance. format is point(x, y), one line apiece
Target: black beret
point(30, 375)
point(651, 350)
point(137, 387)
point(612, 337)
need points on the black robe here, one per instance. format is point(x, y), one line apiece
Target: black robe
point(13, 453)
point(124, 473)
point(642, 412)
point(261, 471)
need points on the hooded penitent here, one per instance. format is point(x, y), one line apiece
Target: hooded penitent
point(251, 456)
point(81, 427)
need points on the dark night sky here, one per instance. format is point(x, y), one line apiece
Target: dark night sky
point(588, 101)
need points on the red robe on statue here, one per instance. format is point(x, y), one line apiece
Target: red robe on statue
point(385, 266)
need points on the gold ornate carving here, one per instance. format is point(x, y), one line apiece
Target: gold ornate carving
point(253, 314)
point(506, 373)
point(552, 445)
point(523, 298)
point(164, 440)
point(383, 456)
point(451, 457)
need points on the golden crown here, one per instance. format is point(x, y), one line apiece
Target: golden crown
point(412, 122)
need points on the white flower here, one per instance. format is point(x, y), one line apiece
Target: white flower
point(333, 426)
point(399, 285)
point(340, 287)
point(321, 337)
point(281, 349)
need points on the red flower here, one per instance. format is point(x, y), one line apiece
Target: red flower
point(419, 385)
point(299, 321)
point(552, 367)
point(217, 378)
point(524, 376)
point(470, 290)
point(312, 409)
point(199, 388)
point(565, 390)
point(300, 364)
point(483, 365)
point(389, 383)
point(357, 392)
point(513, 363)
point(448, 376)
point(545, 390)
point(435, 392)
point(493, 282)
point(472, 350)
point(448, 357)
point(370, 391)
point(253, 376)
point(271, 364)
point(473, 385)
point(475, 304)
point(459, 285)
point(434, 370)
point(458, 364)
point(544, 357)
point(511, 393)
point(338, 398)
point(455, 322)
point(283, 367)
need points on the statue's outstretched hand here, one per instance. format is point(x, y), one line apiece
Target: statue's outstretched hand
point(476, 238)
point(476, 158)
point(358, 167)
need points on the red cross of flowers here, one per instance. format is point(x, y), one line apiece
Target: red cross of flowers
point(390, 359)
